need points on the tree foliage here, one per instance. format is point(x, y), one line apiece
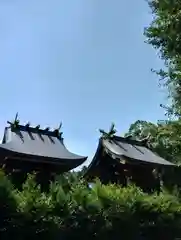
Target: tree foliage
point(164, 34)
point(165, 137)
point(72, 210)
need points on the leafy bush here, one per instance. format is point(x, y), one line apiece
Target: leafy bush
point(70, 209)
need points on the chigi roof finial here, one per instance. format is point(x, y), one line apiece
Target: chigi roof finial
point(57, 130)
point(110, 134)
point(60, 126)
point(16, 121)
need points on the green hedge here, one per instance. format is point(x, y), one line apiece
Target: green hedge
point(72, 210)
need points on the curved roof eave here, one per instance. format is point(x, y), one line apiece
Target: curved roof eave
point(95, 157)
point(30, 157)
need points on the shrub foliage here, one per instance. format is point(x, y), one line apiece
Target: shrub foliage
point(71, 209)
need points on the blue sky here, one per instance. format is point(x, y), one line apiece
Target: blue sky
point(81, 62)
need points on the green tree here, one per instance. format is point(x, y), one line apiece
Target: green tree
point(164, 35)
point(141, 129)
point(165, 137)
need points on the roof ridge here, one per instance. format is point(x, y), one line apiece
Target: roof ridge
point(15, 125)
point(129, 140)
point(37, 129)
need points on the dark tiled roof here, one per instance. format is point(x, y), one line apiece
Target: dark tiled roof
point(40, 143)
point(132, 149)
